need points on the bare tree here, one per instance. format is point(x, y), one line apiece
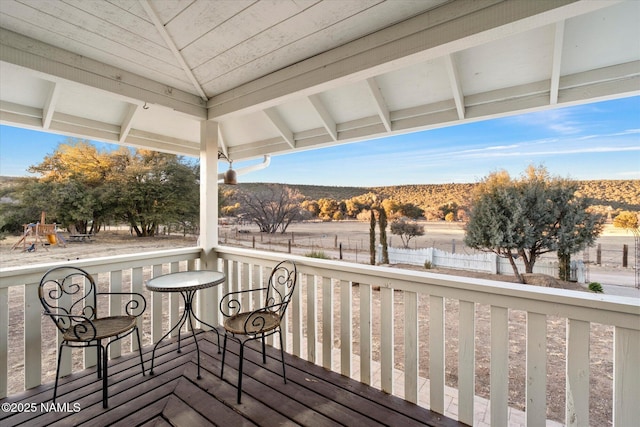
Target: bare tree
point(272, 208)
point(406, 230)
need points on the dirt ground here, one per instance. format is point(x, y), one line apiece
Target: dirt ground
point(353, 238)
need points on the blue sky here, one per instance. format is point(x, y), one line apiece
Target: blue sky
point(593, 141)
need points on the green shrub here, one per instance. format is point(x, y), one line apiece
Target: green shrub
point(428, 265)
point(596, 287)
point(317, 254)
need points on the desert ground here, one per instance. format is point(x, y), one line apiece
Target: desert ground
point(353, 237)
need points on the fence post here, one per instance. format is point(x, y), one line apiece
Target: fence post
point(625, 255)
point(289, 246)
point(599, 254)
point(340, 250)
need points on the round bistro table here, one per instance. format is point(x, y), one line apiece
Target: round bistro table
point(187, 283)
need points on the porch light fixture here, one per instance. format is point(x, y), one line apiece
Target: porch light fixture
point(230, 176)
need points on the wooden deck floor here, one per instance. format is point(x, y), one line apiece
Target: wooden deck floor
point(312, 396)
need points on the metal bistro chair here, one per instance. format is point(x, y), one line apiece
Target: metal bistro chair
point(69, 297)
point(243, 326)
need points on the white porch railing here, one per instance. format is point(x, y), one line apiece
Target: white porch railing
point(329, 311)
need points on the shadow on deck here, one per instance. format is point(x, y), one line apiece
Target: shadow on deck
point(312, 396)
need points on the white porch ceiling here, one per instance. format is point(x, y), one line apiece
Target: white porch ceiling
point(286, 75)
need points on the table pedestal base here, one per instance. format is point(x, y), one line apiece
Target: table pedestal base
point(187, 315)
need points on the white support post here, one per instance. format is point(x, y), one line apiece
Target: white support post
point(208, 299)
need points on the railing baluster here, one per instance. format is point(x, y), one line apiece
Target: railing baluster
point(156, 308)
point(137, 282)
point(436, 353)
point(67, 356)
point(466, 361)
point(365, 333)
point(32, 337)
point(115, 308)
point(346, 328)
point(386, 339)
point(577, 389)
point(411, 346)
point(499, 376)
point(536, 385)
point(90, 355)
point(327, 323)
point(626, 377)
point(174, 302)
point(296, 308)
point(4, 340)
point(312, 317)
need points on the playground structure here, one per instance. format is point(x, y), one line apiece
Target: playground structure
point(33, 234)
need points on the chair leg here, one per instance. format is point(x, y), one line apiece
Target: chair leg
point(284, 375)
point(140, 351)
point(224, 353)
point(264, 351)
point(105, 403)
point(240, 371)
point(99, 359)
point(55, 387)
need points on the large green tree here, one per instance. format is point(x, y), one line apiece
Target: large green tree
point(81, 187)
point(150, 189)
point(71, 183)
point(527, 217)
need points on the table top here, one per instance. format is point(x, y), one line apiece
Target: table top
point(185, 281)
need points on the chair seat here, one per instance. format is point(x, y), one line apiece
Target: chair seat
point(256, 322)
point(105, 328)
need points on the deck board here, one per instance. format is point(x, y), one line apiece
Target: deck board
point(312, 395)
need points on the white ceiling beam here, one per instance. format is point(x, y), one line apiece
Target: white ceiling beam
point(125, 127)
point(380, 104)
point(50, 105)
point(558, 42)
point(456, 87)
point(281, 126)
point(65, 124)
point(327, 121)
point(430, 35)
point(59, 65)
point(148, 8)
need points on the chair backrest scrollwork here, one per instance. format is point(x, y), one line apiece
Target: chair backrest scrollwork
point(282, 282)
point(68, 296)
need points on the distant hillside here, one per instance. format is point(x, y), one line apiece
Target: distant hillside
point(617, 194)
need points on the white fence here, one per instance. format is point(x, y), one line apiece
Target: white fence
point(486, 262)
